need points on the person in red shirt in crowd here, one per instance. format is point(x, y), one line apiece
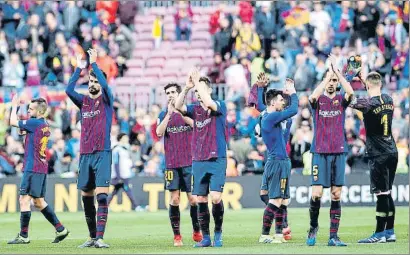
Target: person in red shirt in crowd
point(108, 11)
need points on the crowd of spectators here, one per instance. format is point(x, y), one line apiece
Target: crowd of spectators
point(283, 39)
point(39, 39)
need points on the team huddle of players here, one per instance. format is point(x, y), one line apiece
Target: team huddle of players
point(195, 155)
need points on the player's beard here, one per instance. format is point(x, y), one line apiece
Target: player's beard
point(93, 91)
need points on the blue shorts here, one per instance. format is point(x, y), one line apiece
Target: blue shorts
point(209, 175)
point(179, 179)
point(95, 170)
point(33, 184)
point(328, 169)
point(276, 177)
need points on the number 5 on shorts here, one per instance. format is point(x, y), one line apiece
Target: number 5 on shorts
point(315, 172)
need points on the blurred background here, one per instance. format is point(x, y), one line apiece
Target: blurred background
point(142, 45)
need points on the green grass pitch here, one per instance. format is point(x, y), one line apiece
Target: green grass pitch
point(143, 232)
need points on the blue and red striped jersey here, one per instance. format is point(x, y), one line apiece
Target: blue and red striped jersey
point(96, 114)
point(177, 141)
point(38, 132)
point(210, 133)
point(329, 124)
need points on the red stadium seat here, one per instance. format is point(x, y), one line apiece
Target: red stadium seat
point(140, 54)
point(180, 45)
point(135, 63)
point(174, 63)
point(158, 10)
point(124, 81)
point(155, 62)
point(144, 19)
point(166, 72)
point(209, 53)
point(200, 45)
point(177, 54)
point(145, 36)
point(144, 28)
point(152, 72)
point(169, 19)
point(147, 45)
point(201, 35)
point(159, 53)
point(201, 26)
point(195, 53)
point(135, 72)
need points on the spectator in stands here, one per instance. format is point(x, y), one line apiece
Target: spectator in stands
point(107, 11)
point(13, 14)
point(33, 72)
point(73, 144)
point(71, 15)
point(215, 21)
point(257, 66)
point(302, 74)
point(13, 72)
point(107, 63)
point(158, 31)
point(291, 36)
point(320, 20)
point(49, 36)
point(300, 144)
point(236, 80)
point(247, 39)
point(266, 26)
point(223, 40)
point(342, 22)
point(127, 11)
point(277, 68)
point(216, 72)
point(246, 12)
point(362, 19)
point(183, 21)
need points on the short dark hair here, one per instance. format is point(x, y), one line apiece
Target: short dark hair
point(206, 80)
point(120, 136)
point(41, 104)
point(374, 79)
point(173, 84)
point(271, 95)
point(95, 76)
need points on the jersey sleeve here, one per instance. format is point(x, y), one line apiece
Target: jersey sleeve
point(346, 102)
point(161, 117)
point(274, 118)
point(107, 93)
point(29, 125)
point(361, 104)
point(190, 112)
point(261, 94)
point(221, 108)
point(76, 97)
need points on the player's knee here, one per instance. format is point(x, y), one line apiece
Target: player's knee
point(39, 203)
point(174, 200)
point(263, 192)
point(317, 194)
point(336, 195)
point(216, 198)
point(24, 201)
point(193, 200)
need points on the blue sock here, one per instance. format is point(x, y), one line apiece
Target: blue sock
point(52, 218)
point(24, 222)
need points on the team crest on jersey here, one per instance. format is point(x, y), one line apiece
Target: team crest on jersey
point(336, 102)
point(97, 103)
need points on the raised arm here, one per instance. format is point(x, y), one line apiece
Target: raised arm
point(13, 117)
point(261, 82)
point(274, 118)
point(163, 120)
point(320, 88)
point(286, 132)
point(100, 77)
point(203, 91)
point(345, 84)
point(76, 97)
point(180, 102)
